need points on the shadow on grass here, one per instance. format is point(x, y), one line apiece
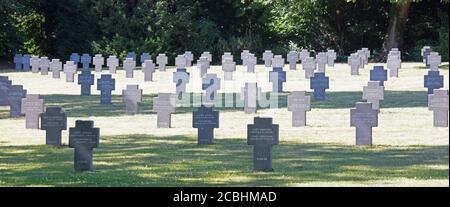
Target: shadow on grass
point(85, 106)
point(143, 160)
point(443, 67)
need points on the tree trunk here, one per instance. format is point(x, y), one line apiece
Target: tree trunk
point(398, 17)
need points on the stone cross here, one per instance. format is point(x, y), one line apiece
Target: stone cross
point(35, 62)
point(98, 62)
point(426, 50)
point(44, 65)
point(32, 107)
point(354, 60)
point(395, 51)
point(105, 85)
point(148, 68)
point(363, 117)
point(210, 83)
point(373, 93)
point(132, 96)
point(189, 58)
point(319, 83)
point(207, 55)
point(251, 93)
point(26, 62)
point(203, 65)
point(366, 57)
point(86, 61)
point(244, 55)
point(303, 54)
point(18, 61)
point(322, 61)
point(434, 60)
point(164, 106)
point(112, 62)
point(277, 76)
point(267, 57)
point(263, 134)
point(438, 103)
point(84, 138)
point(131, 55)
point(299, 103)
point(205, 119)
point(162, 61)
point(181, 79)
point(378, 73)
point(292, 58)
point(331, 55)
point(181, 61)
point(75, 58)
point(70, 69)
point(129, 64)
point(228, 66)
point(5, 85)
point(251, 63)
point(15, 95)
point(362, 58)
point(393, 64)
point(55, 67)
point(225, 56)
point(53, 121)
point(86, 80)
point(145, 56)
point(309, 66)
point(433, 81)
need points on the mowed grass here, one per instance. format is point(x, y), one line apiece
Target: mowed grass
point(88, 106)
point(143, 160)
point(408, 151)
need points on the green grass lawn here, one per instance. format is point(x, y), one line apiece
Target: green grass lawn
point(142, 160)
point(408, 150)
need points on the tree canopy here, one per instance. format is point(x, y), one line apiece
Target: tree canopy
point(57, 28)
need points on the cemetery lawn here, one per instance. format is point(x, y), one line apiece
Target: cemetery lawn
point(143, 160)
point(407, 151)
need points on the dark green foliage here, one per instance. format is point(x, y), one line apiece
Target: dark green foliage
point(57, 28)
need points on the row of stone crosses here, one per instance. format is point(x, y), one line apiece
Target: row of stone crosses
point(263, 134)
